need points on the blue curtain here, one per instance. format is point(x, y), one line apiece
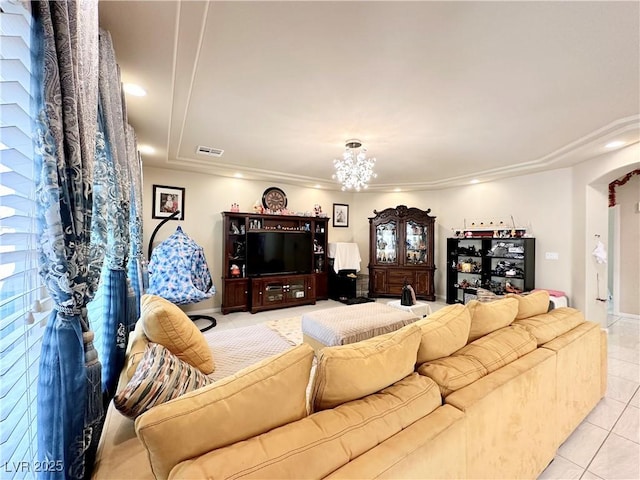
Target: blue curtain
point(119, 301)
point(136, 259)
point(70, 408)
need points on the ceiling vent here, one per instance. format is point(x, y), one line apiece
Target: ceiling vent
point(210, 151)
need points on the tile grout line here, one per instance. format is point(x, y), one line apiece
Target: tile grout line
point(609, 325)
point(610, 432)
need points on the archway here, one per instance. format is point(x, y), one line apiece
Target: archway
point(591, 218)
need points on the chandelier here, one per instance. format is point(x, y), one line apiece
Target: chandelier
point(354, 170)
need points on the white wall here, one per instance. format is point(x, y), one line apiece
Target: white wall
point(541, 202)
point(562, 208)
point(628, 199)
point(206, 196)
point(590, 217)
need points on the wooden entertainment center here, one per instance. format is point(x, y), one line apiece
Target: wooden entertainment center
point(250, 283)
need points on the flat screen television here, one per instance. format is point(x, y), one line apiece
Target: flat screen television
point(270, 253)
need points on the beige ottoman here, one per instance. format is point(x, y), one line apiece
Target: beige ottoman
point(352, 323)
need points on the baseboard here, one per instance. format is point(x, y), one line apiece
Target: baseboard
point(205, 311)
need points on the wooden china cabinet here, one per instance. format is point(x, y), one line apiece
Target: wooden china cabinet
point(401, 249)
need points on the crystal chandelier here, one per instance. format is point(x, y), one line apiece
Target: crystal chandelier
point(354, 170)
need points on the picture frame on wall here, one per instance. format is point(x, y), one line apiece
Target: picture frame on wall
point(340, 215)
point(168, 200)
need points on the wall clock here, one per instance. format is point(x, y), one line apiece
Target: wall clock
point(274, 199)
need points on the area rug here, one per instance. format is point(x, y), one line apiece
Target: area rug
point(238, 348)
point(289, 328)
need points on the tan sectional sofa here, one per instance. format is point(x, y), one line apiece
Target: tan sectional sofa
point(421, 402)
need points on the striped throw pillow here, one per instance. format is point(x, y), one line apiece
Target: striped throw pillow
point(160, 377)
point(484, 296)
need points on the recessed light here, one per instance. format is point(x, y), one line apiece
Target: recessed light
point(148, 149)
point(317, 186)
point(397, 189)
point(475, 180)
point(237, 175)
point(135, 90)
point(614, 144)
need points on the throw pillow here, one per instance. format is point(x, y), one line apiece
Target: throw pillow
point(531, 304)
point(348, 372)
point(257, 399)
point(166, 324)
point(138, 342)
point(160, 377)
point(488, 317)
point(443, 332)
point(484, 295)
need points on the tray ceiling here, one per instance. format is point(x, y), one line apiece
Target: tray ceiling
point(439, 92)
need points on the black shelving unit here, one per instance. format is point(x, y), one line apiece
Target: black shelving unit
point(489, 263)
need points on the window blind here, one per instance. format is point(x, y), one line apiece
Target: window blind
point(24, 306)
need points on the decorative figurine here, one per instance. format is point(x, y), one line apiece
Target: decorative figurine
point(235, 270)
point(235, 208)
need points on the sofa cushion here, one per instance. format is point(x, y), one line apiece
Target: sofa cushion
point(479, 358)
point(443, 332)
point(138, 342)
point(160, 377)
point(317, 445)
point(531, 304)
point(347, 372)
point(501, 347)
point(253, 401)
point(452, 373)
point(166, 324)
point(551, 325)
point(120, 454)
point(489, 317)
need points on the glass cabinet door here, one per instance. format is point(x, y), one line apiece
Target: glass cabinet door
point(295, 290)
point(387, 242)
point(416, 243)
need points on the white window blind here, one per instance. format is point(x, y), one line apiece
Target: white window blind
point(24, 306)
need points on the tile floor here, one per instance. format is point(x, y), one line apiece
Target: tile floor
point(605, 446)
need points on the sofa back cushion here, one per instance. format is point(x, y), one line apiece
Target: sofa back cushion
point(352, 371)
point(479, 358)
point(531, 304)
point(489, 317)
point(549, 326)
point(253, 401)
point(443, 332)
point(166, 324)
point(318, 445)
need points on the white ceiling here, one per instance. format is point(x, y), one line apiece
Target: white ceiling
point(439, 92)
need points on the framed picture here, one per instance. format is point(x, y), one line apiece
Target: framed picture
point(340, 215)
point(168, 200)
